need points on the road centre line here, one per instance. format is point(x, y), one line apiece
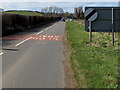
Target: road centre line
point(36, 34)
point(23, 41)
point(46, 29)
point(39, 32)
point(50, 26)
point(1, 53)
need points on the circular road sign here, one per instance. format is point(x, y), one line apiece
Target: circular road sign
point(91, 14)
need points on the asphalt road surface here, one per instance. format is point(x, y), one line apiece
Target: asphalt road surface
point(34, 62)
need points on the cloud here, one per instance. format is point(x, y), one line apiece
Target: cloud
point(67, 6)
point(101, 1)
point(59, 0)
point(103, 4)
point(37, 6)
point(42, 1)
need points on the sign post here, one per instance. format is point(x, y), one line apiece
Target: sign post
point(113, 27)
point(108, 20)
point(90, 31)
point(90, 15)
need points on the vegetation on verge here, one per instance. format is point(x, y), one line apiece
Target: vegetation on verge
point(95, 64)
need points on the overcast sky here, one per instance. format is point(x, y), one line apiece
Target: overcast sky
point(67, 5)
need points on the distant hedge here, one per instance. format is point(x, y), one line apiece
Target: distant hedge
point(12, 23)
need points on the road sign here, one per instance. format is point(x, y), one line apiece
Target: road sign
point(106, 19)
point(91, 14)
point(103, 22)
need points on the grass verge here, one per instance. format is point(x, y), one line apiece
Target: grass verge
point(95, 64)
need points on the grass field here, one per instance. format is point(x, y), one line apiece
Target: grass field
point(25, 13)
point(95, 64)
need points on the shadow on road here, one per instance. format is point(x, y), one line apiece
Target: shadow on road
point(10, 49)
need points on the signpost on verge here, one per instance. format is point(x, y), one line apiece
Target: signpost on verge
point(90, 15)
point(107, 21)
point(113, 36)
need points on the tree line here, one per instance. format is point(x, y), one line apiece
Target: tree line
point(56, 11)
point(79, 12)
point(52, 11)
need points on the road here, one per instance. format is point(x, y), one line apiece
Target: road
point(34, 62)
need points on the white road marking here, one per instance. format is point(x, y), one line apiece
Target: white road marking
point(23, 41)
point(31, 37)
point(50, 26)
point(46, 29)
point(43, 38)
point(44, 35)
point(55, 24)
point(39, 32)
point(1, 53)
point(40, 35)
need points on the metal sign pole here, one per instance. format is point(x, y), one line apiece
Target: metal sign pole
point(90, 15)
point(90, 31)
point(113, 27)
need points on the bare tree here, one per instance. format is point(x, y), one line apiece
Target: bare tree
point(79, 12)
point(52, 10)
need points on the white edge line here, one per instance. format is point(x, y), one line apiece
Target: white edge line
point(22, 41)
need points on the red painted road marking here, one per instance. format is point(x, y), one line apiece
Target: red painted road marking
point(35, 37)
point(46, 37)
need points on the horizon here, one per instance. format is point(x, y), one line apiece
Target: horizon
point(66, 6)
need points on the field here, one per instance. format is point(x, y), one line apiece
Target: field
point(25, 13)
point(95, 64)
